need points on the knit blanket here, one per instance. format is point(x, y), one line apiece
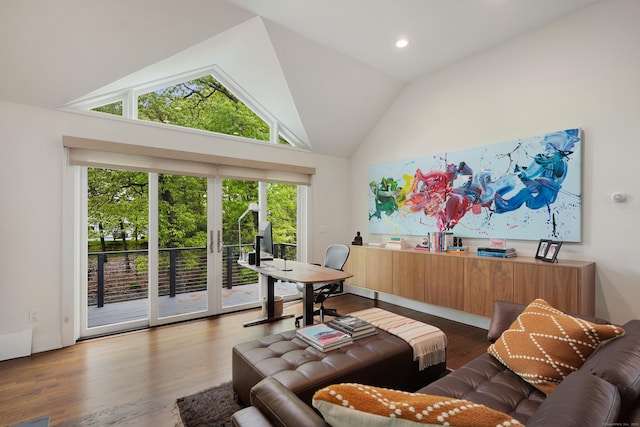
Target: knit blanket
point(429, 343)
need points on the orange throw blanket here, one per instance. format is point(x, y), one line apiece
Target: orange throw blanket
point(429, 343)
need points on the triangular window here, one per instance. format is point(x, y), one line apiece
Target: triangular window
point(203, 102)
point(114, 108)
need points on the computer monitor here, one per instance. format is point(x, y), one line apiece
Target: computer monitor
point(266, 240)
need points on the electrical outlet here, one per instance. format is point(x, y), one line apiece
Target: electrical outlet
point(34, 315)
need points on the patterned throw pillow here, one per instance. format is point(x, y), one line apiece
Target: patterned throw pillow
point(352, 405)
point(544, 345)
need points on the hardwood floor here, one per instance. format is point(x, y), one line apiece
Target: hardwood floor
point(135, 378)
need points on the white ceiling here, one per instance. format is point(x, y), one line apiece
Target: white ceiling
point(327, 69)
point(440, 31)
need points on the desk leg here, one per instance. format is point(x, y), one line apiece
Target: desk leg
point(271, 284)
point(307, 304)
point(271, 292)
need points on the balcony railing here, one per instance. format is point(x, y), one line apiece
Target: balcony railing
point(118, 276)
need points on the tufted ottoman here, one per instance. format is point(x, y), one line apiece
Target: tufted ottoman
point(383, 360)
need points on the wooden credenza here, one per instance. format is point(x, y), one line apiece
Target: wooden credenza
point(471, 283)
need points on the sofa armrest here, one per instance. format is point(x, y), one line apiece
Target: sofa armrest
point(249, 417)
point(580, 400)
point(282, 407)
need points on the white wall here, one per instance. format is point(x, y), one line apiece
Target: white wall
point(581, 71)
point(31, 205)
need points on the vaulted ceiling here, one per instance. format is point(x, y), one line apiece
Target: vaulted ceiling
point(326, 69)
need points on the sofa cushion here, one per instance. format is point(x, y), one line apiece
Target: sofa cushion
point(544, 345)
point(358, 405)
point(504, 314)
point(486, 381)
point(618, 362)
point(580, 400)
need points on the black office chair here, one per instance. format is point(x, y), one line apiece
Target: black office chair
point(335, 257)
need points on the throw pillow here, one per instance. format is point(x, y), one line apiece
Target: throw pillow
point(362, 405)
point(544, 345)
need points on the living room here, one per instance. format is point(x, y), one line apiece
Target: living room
point(578, 71)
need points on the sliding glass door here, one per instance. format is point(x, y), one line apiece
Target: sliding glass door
point(152, 254)
point(117, 214)
point(165, 247)
point(185, 227)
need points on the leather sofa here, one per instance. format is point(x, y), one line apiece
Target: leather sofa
point(604, 391)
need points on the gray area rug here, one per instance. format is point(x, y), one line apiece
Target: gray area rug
point(211, 407)
point(39, 422)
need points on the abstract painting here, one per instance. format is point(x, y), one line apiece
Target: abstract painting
point(527, 189)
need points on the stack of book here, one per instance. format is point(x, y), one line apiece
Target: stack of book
point(497, 252)
point(353, 326)
point(396, 243)
point(458, 250)
point(323, 337)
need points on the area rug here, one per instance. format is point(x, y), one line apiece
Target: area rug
point(39, 422)
point(211, 407)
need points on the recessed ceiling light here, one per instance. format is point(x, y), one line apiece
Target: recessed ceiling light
point(402, 43)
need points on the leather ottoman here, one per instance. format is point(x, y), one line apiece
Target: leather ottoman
point(382, 360)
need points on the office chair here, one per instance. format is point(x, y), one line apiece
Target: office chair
point(335, 257)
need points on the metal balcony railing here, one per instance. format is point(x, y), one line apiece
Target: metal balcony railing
point(117, 276)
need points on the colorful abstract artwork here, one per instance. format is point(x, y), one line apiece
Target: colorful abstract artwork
point(528, 189)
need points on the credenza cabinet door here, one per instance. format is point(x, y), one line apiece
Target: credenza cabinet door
point(485, 281)
point(357, 265)
point(408, 275)
point(470, 283)
point(379, 270)
point(444, 281)
point(555, 284)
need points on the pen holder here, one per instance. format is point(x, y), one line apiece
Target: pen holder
point(252, 258)
point(285, 264)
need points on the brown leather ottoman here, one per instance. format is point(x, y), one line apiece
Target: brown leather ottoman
point(383, 360)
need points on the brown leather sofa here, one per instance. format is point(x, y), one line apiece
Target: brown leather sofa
point(604, 391)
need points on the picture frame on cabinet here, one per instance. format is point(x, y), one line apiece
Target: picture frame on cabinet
point(552, 251)
point(543, 247)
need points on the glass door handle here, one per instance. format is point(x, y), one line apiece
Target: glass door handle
point(212, 241)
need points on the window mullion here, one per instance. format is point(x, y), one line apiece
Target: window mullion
point(130, 105)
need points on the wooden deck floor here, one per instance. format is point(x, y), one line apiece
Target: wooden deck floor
point(191, 302)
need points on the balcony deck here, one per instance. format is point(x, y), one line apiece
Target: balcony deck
point(127, 311)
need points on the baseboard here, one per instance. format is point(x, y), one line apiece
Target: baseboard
point(447, 313)
point(16, 344)
point(46, 342)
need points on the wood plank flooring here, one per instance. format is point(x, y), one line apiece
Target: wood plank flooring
point(135, 378)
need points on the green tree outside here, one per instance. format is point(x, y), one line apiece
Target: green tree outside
point(118, 199)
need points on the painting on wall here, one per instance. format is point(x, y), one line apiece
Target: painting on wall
point(527, 189)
